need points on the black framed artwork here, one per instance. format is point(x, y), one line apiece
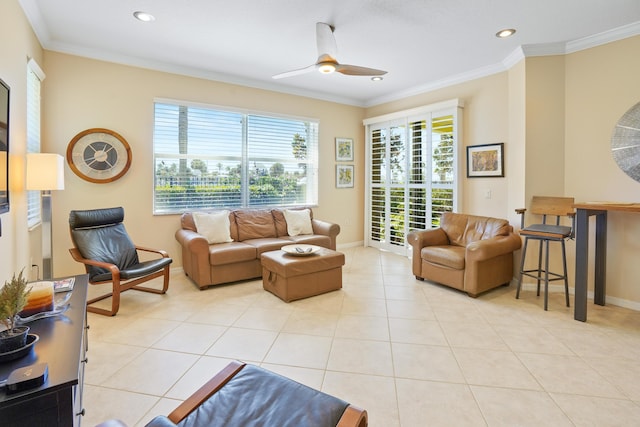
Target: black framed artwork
point(485, 161)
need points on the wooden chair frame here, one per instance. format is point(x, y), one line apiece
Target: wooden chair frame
point(119, 285)
point(352, 416)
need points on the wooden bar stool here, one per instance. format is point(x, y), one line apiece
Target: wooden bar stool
point(545, 232)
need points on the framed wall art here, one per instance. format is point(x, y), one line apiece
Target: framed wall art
point(485, 161)
point(344, 176)
point(344, 150)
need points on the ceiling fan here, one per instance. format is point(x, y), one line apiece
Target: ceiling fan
point(327, 62)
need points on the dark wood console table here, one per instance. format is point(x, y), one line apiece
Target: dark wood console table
point(62, 345)
point(583, 212)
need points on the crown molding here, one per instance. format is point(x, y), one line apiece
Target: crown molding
point(439, 84)
point(605, 37)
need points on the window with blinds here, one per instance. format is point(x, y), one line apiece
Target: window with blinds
point(210, 158)
point(411, 172)
point(35, 75)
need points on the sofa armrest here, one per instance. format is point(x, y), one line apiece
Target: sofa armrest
point(326, 229)
point(490, 248)
point(430, 237)
point(195, 256)
point(419, 239)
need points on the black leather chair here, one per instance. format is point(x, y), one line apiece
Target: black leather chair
point(108, 254)
point(250, 396)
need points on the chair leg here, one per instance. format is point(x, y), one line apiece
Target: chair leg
point(119, 287)
point(546, 274)
point(539, 265)
point(165, 285)
point(566, 279)
point(522, 259)
point(115, 301)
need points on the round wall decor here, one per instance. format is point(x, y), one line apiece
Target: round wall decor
point(625, 142)
point(99, 155)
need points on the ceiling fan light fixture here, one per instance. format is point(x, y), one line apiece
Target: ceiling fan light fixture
point(143, 16)
point(503, 34)
point(326, 67)
point(377, 78)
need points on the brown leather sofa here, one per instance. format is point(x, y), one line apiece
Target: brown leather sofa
point(467, 252)
point(253, 232)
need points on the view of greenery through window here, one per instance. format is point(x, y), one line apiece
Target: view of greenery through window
point(412, 177)
point(207, 158)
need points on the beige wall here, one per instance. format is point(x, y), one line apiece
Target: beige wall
point(82, 93)
point(17, 43)
point(565, 106)
point(485, 121)
point(556, 115)
point(516, 155)
point(601, 85)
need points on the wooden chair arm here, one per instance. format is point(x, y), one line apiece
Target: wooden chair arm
point(164, 254)
point(75, 254)
point(353, 417)
point(206, 391)
point(521, 212)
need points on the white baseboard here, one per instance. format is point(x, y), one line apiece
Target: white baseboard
point(620, 302)
point(351, 245)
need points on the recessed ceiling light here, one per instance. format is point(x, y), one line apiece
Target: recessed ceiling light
point(505, 33)
point(377, 78)
point(144, 16)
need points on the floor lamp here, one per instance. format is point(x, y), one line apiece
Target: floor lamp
point(45, 172)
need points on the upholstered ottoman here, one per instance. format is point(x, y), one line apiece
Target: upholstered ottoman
point(292, 277)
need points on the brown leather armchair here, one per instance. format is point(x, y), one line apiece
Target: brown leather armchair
point(467, 252)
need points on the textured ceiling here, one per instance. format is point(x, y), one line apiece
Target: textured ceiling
point(423, 44)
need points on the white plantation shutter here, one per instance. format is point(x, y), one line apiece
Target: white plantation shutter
point(210, 158)
point(411, 172)
point(35, 76)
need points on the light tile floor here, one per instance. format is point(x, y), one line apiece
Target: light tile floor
point(412, 353)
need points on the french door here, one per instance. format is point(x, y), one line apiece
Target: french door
point(411, 175)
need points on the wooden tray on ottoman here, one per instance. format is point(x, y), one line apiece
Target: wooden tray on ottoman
point(291, 277)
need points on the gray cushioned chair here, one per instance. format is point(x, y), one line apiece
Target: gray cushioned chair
point(108, 254)
point(552, 209)
point(250, 396)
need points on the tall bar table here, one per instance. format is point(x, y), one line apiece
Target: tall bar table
point(583, 211)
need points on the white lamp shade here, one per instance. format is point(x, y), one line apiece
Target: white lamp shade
point(45, 171)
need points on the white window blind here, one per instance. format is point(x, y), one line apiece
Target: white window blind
point(210, 158)
point(35, 76)
point(411, 172)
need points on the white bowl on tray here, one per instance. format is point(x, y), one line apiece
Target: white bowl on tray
point(301, 250)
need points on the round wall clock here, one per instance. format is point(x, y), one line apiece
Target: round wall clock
point(625, 142)
point(99, 155)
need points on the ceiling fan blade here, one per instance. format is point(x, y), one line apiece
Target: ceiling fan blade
point(325, 40)
point(354, 70)
point(295, 72)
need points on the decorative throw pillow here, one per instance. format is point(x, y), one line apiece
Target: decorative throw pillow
point(298, 222)
point(215, 226)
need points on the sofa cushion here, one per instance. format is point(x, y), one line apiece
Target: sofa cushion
point(186, 223)
point(447, 256)
point(257, 397)
point(298, 222)
point(464, 229)
point(229, 253)
point(255, 224)
point(311, 239)
point(281, 222)
point(214, 226)
point(267, 245)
